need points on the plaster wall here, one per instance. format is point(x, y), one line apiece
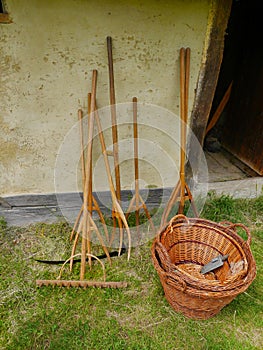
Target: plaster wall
point(47, 55)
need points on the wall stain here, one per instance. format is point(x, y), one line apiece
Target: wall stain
point(45, 73)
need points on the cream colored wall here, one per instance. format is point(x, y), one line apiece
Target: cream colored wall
point(47, 55)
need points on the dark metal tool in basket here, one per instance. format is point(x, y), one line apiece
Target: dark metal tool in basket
point(214, 264)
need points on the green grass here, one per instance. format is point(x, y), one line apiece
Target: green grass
point(137, 317)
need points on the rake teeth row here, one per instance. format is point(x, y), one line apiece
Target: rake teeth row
point(82, 284)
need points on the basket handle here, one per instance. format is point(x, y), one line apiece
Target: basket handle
point(226, 223)
point(178, 216)
point(173, 221)
point(173, 279)
point(230, 225)
point(162, 256)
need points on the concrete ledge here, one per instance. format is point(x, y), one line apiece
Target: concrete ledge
point(23, 210)
point(247, 188)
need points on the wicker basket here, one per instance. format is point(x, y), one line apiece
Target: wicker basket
point(183, 247)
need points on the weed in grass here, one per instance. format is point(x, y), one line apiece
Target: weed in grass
point(223, 208)
point(3, 224)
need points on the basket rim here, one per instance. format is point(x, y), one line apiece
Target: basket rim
point(197, 290)
point(203, 284)
point(231, 234)
point(223, 225)
point(226, 235)
point(245, 277)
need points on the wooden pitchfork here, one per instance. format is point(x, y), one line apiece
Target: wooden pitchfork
point(181, 191)
point(92, 203)
point(114, 119)
point(116, 208)
point(137, 202)
point(114, 138)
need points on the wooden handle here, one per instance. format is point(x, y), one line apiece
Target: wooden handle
point(182, 107)
point(219, 109)
point(187, 78)
point(90, 160)
point(80, 119)
point(86, 194)
point(183, 129)
point(136, 162)
point(111, 73)
point(135, 137)
point(114, 119)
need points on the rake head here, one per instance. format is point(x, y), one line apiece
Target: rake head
point(83, 284)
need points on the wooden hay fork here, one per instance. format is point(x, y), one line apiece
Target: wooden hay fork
point(115, 154)
point(91, 201)
point(137, 202)
point(181, 191)
point(118, 212)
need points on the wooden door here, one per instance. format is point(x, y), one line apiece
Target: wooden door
point(243, 126)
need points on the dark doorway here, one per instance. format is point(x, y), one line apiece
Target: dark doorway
point(240, 127)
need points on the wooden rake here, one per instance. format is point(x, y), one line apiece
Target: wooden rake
point(137, 202)
point(84, 284)
point(86, 223)
point(181, 191)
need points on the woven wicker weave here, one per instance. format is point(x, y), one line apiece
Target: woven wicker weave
point(183, 247)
